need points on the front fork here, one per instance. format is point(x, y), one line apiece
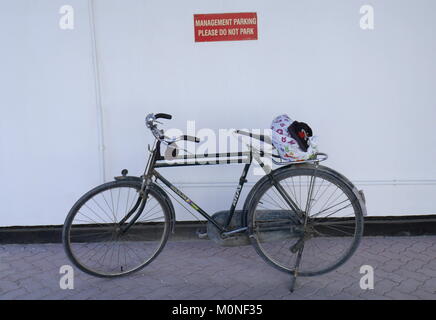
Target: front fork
point(139, 207)
point(144, 191)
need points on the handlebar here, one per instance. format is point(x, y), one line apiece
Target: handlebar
point(190, 138)
point(150, 121)
point(163, 116)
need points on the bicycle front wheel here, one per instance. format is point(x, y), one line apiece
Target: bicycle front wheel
point(112, 230)
point(327, 225)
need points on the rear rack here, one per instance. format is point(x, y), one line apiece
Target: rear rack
point(318, 157)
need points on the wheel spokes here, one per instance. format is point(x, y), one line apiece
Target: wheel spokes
point(326, 233)
point(96, 238)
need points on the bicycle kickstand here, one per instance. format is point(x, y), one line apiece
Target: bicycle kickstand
point(295, 273)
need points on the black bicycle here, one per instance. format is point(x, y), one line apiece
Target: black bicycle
point(303, 218)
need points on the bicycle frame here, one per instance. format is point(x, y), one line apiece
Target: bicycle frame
point(157, 161)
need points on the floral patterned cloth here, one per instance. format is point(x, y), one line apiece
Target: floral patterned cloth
point(286, 146)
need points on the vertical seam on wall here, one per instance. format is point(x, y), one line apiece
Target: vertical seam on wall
point(97, 88)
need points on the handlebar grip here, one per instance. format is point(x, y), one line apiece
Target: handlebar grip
point(190, 138)
point(163, 116)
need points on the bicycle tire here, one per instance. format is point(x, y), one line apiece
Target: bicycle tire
point(299, 171)
point(136, 185)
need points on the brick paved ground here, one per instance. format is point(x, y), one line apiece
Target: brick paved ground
point(405, 268)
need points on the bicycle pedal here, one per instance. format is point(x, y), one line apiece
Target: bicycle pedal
point(202, 234)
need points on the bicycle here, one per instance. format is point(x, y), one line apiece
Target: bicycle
point(120, 226)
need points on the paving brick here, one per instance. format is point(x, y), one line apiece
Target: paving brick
point(397, 295)
point(8, 285)
point(424, 295)
point(13, 294)
point(403, 274)
point(427, 272)
point(385, 286)
point(404, 268)
point(429, 285)
point(408, 286)
point(373, 295)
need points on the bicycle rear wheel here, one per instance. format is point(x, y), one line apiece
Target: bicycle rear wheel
point(111, 231)
point(329, 235)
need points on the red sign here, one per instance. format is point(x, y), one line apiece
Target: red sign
point(225, 26)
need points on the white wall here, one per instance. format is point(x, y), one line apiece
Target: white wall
point(369, 95)
point(48, 139)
